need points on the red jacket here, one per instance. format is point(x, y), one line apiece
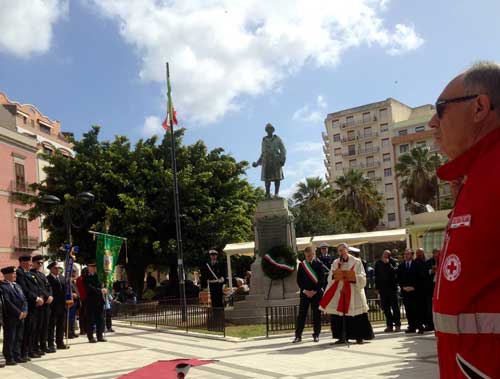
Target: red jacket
point(81, 288)
point(467, 291)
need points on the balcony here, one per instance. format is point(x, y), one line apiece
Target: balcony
point(363, 136)
point(21, 187)
point(358, 122)
point(325, 150)
point(363, 166)
point(349, 138)
point(375, 179)
point(349, 153)
point(26, 243)
point(370, 150)
point(325, 138)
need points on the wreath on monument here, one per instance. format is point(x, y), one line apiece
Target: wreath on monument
point(279, 262)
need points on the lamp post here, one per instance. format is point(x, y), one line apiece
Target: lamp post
point(70, 210)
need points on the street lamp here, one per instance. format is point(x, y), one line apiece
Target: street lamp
point(70, 210)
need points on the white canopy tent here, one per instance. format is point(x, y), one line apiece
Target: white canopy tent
point(361, 238)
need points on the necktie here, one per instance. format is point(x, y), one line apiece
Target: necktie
point(407, 265)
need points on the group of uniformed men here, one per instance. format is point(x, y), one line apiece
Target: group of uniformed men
point(33, 309)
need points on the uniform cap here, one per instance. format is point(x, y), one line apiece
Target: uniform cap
point(25, 258)
point(53, 264)
point(37, 258)
point(353, 249)
point(323, 244)
point(213, 252)
point(8, 270)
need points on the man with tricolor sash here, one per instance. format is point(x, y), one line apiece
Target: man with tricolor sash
point(310, 278)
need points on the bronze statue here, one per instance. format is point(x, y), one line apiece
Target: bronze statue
point(272, 159)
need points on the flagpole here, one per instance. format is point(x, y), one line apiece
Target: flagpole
point(180, 260)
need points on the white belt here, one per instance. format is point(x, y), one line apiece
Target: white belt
point(467, 323)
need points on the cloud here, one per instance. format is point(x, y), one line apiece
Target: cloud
point(299, 170)
point(152, 126)
point(223, 50)
point(26, 26)
point(308, 114)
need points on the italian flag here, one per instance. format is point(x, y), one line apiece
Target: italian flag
point(171, 118)
point(310, 271)
point(283, 266)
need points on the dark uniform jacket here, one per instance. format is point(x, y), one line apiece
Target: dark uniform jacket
point(14, 301)
point(29, 283)
point(218, 268)
point(93, 288)
point(58, 290)
point(43, 283)
point(385, 276)
point(306, 283)
point(412, 277)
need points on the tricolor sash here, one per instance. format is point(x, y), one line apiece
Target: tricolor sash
point(310, 271)
point(282, 266)
point(345, 295)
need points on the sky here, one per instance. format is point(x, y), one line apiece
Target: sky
point(236, 65)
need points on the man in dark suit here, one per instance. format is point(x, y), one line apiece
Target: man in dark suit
point(310, 279)
point(15, 312)
point(57, 320)
point(214, 277)
point(326, 259)
point(40, 344)
point(386, 284)
point(28, 282)
point(410, 278)
point(430, 281)
point(94, 303)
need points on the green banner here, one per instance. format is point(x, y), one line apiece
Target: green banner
point(108, 250)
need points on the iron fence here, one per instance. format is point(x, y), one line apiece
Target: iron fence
point(283, 318)
point(171, 314)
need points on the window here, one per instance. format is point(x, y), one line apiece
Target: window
point(391, 217)
point(384, 128)
point(335, 123)
point(32, 123)
point(371, 174)
point(351, 149)
point(386, 157)
point(402, 132)
point(349, 120)
point(383, 114)
point(369, 162)
point(404, 148)
point(350, 135)
point(385, 142)
point(352, 163)
point(22, 230)
point(336, 137)
point(337, 152)
point(25, 120)
point(366, 117)
point(421, 144)
point(44, 129)
point(388, 187)
point(20, 179)
point(338, 166)
point(387, 172)
point(47, 150)
point(369, 147)
point(368, 132)
point(390, 202)
point(419, 129)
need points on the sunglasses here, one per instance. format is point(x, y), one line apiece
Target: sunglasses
point(441, 104)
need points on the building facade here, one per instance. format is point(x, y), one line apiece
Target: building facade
point(368, 138)
point(25, 133)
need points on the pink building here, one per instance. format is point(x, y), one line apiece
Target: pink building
point(24, 133)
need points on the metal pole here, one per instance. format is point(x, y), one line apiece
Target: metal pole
point(180, 261)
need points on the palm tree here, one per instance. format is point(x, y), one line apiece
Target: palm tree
point(357, 193)
point(312, 188)
point(417, 173)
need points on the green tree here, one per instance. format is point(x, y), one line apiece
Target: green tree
point(134, 198)
point(311, 188)
point(416, 172)
point(357, 195)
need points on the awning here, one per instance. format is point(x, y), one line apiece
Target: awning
point(248, 248)
point(361, 238)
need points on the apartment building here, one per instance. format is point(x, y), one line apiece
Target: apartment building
point(24, 134)
point(364, 138)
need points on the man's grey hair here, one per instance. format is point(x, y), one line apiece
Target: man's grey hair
point(484, 78)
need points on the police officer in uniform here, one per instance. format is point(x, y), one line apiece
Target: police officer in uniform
point(15, 312)
point(29, 283)
point(40, 341)
point(214, 276)
point(57, 320)
point(326, 259)
point(310, 279)
point(94, 304)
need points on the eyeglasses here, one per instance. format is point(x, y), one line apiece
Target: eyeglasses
point(441, 104)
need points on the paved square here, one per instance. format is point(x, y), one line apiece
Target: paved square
point(387, 356)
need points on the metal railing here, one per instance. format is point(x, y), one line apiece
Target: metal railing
point(28, 243)
point(21, 187)
point(283, 318)
point(197, 318)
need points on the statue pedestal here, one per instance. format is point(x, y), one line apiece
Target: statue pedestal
point(273, 227)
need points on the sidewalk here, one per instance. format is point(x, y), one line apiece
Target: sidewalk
point(393, 355)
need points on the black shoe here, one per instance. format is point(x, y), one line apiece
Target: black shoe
point(62, 347)
point(92, 340)
point(40, 352)
point(429, 328)
point(34, 355)
point(50, 349)
point(338, 342)
point(360, 341)
point(297, 340)
point(21, 360)
point(421, 331)
point(398, 328)
point(102, 339)
point(110, 330)
point(389, 329)
point(316, 338)
point(410, 330)
point(10, 363)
